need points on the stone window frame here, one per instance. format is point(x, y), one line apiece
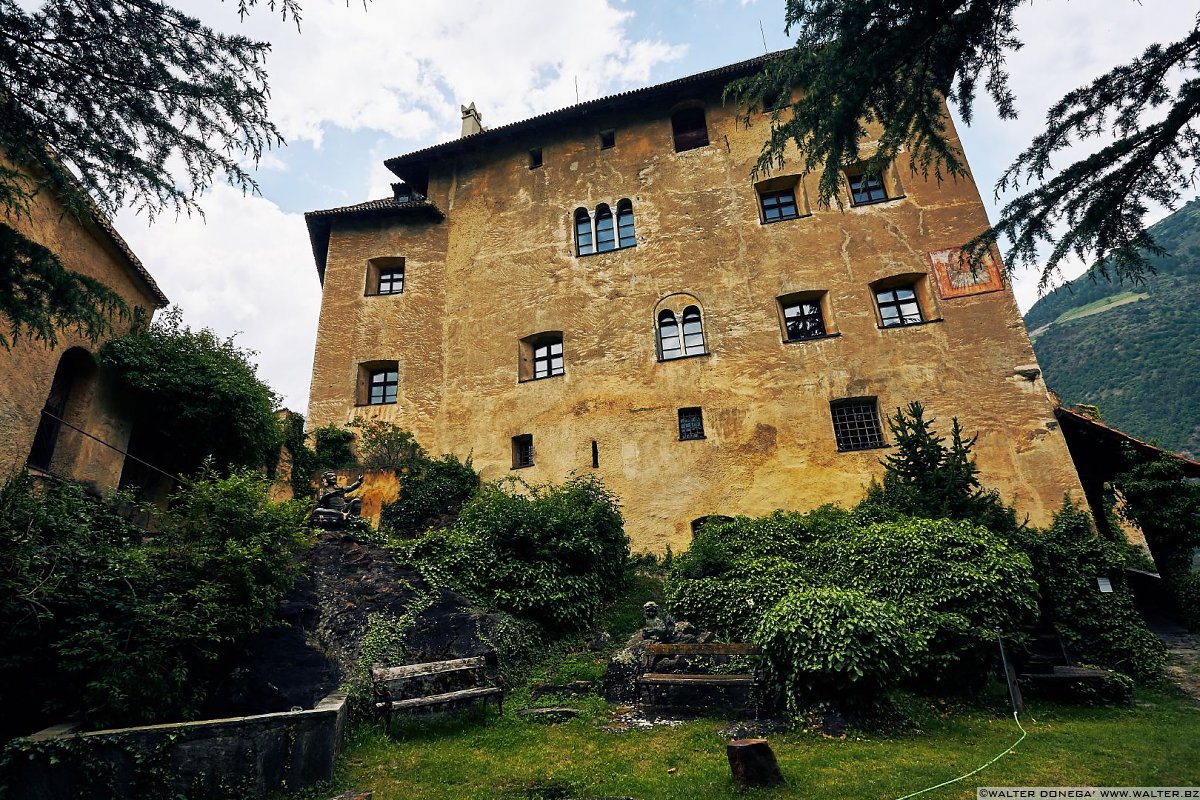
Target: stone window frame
point(379, 266)
point(694, 136)
point(775, 186)
point(817, 297)
point(588, 226)
point(372, 374)
point(918, 283)
point(522, 451)
point(679, 308)
point(889, 184)
point(527, 366)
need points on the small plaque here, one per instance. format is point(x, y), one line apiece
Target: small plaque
point(1105, 585)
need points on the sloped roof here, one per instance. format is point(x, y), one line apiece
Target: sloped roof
point(106, 227)
point(1097, 447)
point(613, 101)
point(319, 222)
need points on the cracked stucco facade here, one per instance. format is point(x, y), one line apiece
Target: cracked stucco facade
point(502, 266)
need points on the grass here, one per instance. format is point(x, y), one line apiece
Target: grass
point(1095, 307)
point(478, 756)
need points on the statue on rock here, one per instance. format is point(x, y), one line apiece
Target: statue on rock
point(333, 509)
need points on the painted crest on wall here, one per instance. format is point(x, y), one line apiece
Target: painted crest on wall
point(955, 277)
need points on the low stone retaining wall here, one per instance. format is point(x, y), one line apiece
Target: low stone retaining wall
point(236, 757)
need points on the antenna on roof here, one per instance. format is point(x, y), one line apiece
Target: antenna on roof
point(576, 90)
point(764, 35)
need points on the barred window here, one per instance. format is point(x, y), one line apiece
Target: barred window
point(691, 424)
point(522, 451)
point(856, 424)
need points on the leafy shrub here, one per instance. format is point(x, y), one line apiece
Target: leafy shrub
point(125, 627)
point(552, 554)
point(385, 445)
point(833, 645)
point(1103, 627)
point(333, 448)
point(949, 582)
point(195, 396)
point(430, 491)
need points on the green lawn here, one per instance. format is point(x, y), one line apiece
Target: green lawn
point(1154, 743)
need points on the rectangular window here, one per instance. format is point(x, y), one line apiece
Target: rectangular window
point(691, 424)
point(548, 360)
point(391, 280)
point(856, 424)
point(608, 139)
point(382, 386)
point(779, 205)
point(535, 158)
point(522, 451)
point(899, 306)
point(866, 189)
point(802, 319)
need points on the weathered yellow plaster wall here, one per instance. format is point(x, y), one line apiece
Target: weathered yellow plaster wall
point(502, 266)
point(28, 368)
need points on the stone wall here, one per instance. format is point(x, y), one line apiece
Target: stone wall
point(502, 266)
point(244, 756)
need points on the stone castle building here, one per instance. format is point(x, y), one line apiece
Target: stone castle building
point(604, 289)
point(59, 412)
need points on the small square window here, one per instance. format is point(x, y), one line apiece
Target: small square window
point(691, 424)
point(866, 189)
point(522, 451)
point(780, 205)
point(541, 356)
point(899, 306)
point(535, 158)
point(689, 129)
point(391, 280)
point(608, 139)
point(548, 360)
point(802, 319)
point(382, 386)
point(856, 424)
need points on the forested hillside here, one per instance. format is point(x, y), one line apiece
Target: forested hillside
point(1134, 351)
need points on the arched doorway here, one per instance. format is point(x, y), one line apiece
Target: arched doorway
point(74, 367)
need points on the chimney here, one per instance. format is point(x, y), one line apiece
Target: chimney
point(472, 122)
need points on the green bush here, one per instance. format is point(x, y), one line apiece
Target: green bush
point(550, 554)
point(333, 448)
point(430, 491)
point(1104, 628)
point(827, 645)
point(949, 582)
point(194, 396)
point(123, 627)
point(385, 445)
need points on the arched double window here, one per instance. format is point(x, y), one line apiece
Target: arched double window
point(672, 343)
point(608, 233)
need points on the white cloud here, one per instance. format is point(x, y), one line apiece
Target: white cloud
point(246, 268)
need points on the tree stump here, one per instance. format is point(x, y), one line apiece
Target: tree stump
point(753, 763)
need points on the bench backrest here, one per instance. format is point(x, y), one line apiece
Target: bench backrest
point(715, 649)
point(385, 674)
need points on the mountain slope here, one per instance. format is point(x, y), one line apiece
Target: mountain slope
point(1134, 351)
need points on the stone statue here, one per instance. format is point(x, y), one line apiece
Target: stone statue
point(656, 627)
point(333, 509)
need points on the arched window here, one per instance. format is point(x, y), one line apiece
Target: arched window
point(74, 367)
point(606, 238)
point(583, 232)
point(668, 336)
point(625, 233)
point(693, 332)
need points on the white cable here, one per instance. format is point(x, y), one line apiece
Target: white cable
point(1024, 733)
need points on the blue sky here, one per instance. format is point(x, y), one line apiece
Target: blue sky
point(356, 86)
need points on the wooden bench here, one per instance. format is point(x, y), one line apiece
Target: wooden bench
point(384, 678)
point(649, 681)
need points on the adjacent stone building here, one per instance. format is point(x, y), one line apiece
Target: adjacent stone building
point(58, 411)
point(605, 290)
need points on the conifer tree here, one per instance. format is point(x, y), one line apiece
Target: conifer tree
point(889, 64)
point(107, 104)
